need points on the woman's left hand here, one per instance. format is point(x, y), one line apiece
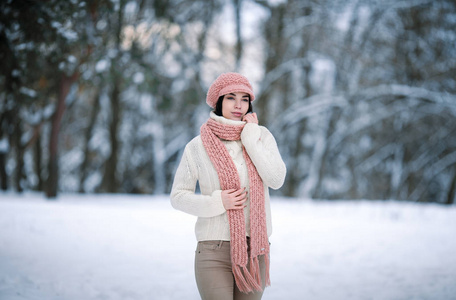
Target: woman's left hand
point(250, 118)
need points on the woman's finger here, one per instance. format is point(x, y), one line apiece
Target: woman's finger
point(240, 201)
point(238, 207)
point(239, 192)
point(251, 118)
point(241, 196)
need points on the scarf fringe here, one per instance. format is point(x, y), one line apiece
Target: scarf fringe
point(245, 282)
point(266, 262)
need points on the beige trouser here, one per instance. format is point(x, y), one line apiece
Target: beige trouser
point(214, 276)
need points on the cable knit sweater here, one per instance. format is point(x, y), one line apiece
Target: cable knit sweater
point(195, 166)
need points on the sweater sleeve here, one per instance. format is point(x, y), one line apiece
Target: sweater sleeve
point(264, 153)
point(183, 196)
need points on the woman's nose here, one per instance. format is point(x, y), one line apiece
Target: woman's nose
point(237, 104)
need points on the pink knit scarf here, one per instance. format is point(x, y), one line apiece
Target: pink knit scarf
point(247, 279)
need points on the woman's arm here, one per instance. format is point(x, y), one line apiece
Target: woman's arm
point(264, 153)
point(183, 195)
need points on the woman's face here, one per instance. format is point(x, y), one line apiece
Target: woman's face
point(235, 106)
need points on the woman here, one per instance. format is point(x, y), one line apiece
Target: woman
point(234, 160)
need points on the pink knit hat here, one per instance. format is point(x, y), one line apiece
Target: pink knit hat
point(228, 83)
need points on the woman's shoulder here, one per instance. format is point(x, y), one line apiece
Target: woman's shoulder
point(195, 144)
point(195, 140)
point(263, 128)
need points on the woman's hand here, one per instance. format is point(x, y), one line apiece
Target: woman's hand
point(250, 118)
point(234, 199)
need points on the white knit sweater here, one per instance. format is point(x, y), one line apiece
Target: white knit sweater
point(196, 166)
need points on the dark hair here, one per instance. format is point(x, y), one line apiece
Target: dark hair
point(218, 106)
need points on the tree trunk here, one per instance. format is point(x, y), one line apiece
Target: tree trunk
point(273, 34)
point(110, 182)
point(237, 8)
point(53, 177)
point(353, 191)
point(334, 116)
point(38, 163)
point(3, 152)
point(347, 53)
point(88, 135)
point(314, 178)
point(295, 176)
point(452, 191)
point(3, 175)
point(19, 157)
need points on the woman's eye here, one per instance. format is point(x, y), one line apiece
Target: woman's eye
point(245, 100)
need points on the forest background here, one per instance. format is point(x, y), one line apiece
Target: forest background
point(102, 96)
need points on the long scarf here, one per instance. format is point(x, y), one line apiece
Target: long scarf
point(247, 279)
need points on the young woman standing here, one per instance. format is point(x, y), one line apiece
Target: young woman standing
point(234, 161)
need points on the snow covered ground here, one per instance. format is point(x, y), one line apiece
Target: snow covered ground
point(85, 247)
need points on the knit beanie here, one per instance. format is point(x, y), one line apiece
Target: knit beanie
point(228, 83)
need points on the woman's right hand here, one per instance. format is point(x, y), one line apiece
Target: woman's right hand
point(234, 199)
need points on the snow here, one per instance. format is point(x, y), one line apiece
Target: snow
point(15, 73)
point(4, 145)
point(102, 65)
point(131, 9)
point(102, 24)
point(138, 78)
point(28, 92)
point(323, 75)
point(72, 59)
point(138, 247)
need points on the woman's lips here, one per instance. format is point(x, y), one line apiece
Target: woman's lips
point(237, 114)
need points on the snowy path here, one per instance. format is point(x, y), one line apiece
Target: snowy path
point(130, 247)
